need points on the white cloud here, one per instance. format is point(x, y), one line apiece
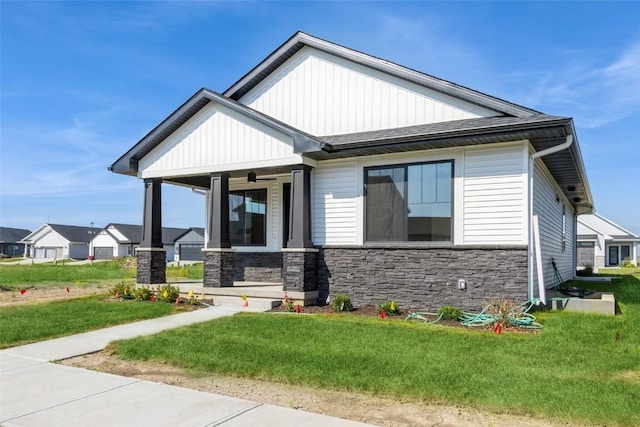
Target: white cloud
point(596, 92)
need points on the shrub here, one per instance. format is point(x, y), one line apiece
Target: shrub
point(504, 309)
point(450, 312)
point(143, 293)
point(342, 303)
point(389, 307)
point(168, 293)
point(626, 263)
point(587, 271)
point(287, 303)
point(123, 289)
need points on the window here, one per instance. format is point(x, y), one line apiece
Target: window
point(409, 202)
point(625, 253)
point(248, 217)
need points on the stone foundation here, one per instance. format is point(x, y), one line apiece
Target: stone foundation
point(299, 270)
point(258, 267)
point(151, 266)
point(219, 267)
point(423, 278)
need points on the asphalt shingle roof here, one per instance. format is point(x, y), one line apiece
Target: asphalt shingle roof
point(12, 235)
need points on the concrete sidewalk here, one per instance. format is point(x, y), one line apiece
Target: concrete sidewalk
point(36, 392)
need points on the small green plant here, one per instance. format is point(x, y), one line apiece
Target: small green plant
point(389, 308)
point(287, 303)
point(123, 290)
point(450, 312)
point(504, 309)
point(143, 293)
point(626, 263)
point(342, 303)
point(168, 293)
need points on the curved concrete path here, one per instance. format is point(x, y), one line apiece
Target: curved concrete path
point(35, 392)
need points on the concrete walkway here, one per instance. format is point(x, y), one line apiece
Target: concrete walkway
point(35, 392)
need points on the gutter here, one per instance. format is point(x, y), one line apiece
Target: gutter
point(532, 158)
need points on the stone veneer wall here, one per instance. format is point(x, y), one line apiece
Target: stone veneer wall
point(300, 271)
point(424, 278)
point(151, 267)
point(218, 269)
point(258, 267)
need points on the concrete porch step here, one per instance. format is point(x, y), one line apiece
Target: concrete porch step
point(253, 290)
point(254, 303)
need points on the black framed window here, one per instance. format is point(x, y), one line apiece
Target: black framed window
point(411, 202)
point(248, 217)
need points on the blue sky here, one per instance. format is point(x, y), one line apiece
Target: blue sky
point(82, 82)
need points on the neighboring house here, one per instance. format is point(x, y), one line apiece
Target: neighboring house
point(342, 173)
point(603, 243)
point(9, 241)
point(119, 240)
point(55, 241)
point(188, 246)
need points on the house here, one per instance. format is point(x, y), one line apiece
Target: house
point(9, 238)
point(55, 241)
point(343, 173)
point(119, 240)
point(189, 245)
point(603, 243)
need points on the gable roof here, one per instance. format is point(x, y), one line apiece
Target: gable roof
point(74, 233)
point(198, 230)
point(128, 162)
point(604, 227)
point(300, 40)
point(12, 235)
point(71, 233)
point(133, 233)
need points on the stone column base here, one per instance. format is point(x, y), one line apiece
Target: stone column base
point(152, 266)
point(219, 268)
point(300, 270)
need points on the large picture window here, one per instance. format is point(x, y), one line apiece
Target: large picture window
point(248, 217)
point(409, 202)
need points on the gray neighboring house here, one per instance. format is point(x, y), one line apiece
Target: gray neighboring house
point(120, 240)
point(9, 241)
point(189, 245)
point(603, 243)
point(57, 241)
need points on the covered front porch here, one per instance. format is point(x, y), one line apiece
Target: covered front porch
point(256, 182)
point(257, 234)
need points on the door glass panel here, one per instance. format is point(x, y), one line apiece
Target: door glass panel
point(625, 253)
point(613, 255)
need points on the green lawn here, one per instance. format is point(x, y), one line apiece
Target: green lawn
point(36, 322)
point(584, 368)
point(42, 275)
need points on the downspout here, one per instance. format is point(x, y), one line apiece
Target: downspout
point(556, 148)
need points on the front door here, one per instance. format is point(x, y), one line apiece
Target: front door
point(613, 255)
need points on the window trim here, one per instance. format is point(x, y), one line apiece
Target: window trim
point(406, 166)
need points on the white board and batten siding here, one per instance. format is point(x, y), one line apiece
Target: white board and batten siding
point(495, 195)
point(548, 203)
point(218, 139)
point(328, 95)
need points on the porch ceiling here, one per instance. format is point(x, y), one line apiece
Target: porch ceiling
point(203, 181)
